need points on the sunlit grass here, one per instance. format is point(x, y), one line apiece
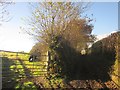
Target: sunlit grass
point(19, 66)
point(116, 78)
point(26, 86)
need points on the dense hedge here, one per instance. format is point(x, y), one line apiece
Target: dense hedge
point(109, 47)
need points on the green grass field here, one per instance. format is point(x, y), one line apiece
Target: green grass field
point(16, 67)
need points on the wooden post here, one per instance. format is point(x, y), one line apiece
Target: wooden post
point(48, 61)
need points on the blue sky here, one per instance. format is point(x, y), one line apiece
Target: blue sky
point(14, 39)
point(106, 15)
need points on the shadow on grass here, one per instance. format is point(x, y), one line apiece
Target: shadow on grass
point(8, 78)
point(13, 72)
point(27, 72)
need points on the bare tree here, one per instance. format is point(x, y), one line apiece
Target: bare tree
point(50, 19)
point(4, 13)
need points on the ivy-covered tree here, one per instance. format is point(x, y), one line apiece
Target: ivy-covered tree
point(58, 25)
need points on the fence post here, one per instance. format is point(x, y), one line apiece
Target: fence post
point(48, 61)
point(17, 55)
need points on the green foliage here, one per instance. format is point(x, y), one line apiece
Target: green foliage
point(26, 86)
point(53, 81)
